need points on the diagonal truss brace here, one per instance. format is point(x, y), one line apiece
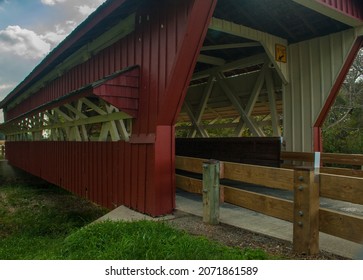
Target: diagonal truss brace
point(237, 104)
point(82, 120)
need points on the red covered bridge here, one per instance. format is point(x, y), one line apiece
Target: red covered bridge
point(97, 116)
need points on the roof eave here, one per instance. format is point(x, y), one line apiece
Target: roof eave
point(96, 17)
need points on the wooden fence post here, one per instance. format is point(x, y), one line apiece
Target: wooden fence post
point(306, 211)
point(211, 192)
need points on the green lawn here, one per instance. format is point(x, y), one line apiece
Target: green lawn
point(45, 222)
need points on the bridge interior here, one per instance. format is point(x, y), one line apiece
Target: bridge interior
point(242, 72)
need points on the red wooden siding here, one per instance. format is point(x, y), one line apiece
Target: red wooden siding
point(140, 174)
point(94, 170)
point(121, 91)
point(353, 8)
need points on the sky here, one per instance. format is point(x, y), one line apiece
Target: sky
point(30, 29)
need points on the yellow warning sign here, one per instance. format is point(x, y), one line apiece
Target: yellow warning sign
point(280, 53)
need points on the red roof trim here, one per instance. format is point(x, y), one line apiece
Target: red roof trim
point(352, 8)
point(102, 12)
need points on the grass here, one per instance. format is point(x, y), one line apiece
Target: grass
point(146, 240)
point(35, 220)
point(45, 222)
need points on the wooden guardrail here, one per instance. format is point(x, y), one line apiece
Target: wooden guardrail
point(355, 161)
point(277, 178)
point(304, 212)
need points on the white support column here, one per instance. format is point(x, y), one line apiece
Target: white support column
point(315, 66)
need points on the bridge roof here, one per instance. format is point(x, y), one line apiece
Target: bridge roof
point(293, 20)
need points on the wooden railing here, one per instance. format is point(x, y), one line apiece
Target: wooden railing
point(342, 161)
point(304, 211)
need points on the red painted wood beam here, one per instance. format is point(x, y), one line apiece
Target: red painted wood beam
point(318, 144)
point(184, 65)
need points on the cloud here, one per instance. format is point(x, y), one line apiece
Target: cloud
point(6, 86)
point(52, 2)
point(85, 10)
point(23, 42)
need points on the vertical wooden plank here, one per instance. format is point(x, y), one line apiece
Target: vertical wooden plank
point(107, 180)
point(134, 175)
point(154, 48)
point(162, 52)
point(151, 175)
point(92, 172)
point(71, 167)
point(85, 174)
point(106, 58)
point(306, 212)
point(145, 110)
point(121, 172)
point(98, 162)
point(211, 192)
point(171, 30)
point(127, 168)
point(104, 180)
point(93, 175)
point(115, 173)
point(141, 183)
point(80, 168)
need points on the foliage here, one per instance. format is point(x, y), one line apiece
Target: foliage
point(46, 222)
point(146, 240)
point(34, 220)
point(343, 129)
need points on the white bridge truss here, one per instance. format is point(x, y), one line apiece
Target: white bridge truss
point(86, 119)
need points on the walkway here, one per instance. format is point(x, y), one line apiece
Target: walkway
point(243, 218)
point(256, 222)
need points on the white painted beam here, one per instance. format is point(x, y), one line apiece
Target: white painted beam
point(68, 123)
point(203, 102)
point(211, 60)
point(197, 126)
point(268, 41)
point(238, 64)
point(236, 103)
point(330, 12)
point(231, 46)
point(253, 98)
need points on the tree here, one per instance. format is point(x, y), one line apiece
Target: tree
point(343, 129)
